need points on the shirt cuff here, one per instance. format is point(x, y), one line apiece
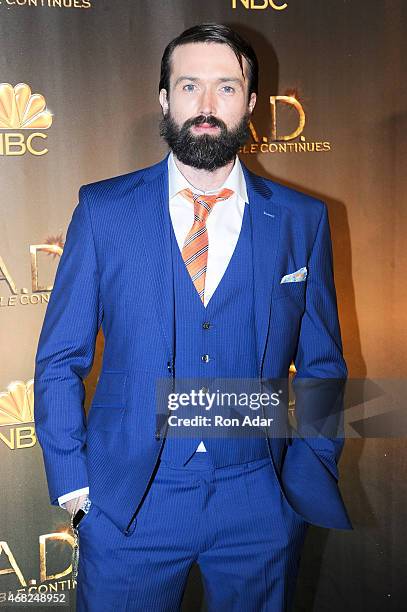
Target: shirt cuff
point(72, 495)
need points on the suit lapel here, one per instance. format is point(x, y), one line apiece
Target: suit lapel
point(152, 210)
point(265, 220)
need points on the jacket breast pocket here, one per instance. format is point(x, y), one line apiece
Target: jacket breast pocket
point(293, 290)
point(109, 401)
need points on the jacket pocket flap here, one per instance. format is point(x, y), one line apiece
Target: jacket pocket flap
point(110, 389)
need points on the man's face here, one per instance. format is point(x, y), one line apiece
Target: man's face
point(207, 110)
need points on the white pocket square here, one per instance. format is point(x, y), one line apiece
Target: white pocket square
point(295, 277)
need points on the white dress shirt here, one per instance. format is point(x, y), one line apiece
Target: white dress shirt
point(223, 226)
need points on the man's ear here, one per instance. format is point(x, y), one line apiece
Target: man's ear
point(252, 101)
point(164, 101)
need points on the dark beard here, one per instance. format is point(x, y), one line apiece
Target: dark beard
point(205, 152)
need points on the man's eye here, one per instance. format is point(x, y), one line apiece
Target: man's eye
point(189, 87)
point(228, 89)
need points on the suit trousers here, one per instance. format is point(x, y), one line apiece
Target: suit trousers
point(232, 521)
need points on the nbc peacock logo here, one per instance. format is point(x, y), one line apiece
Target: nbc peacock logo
point(17, 428)
point(17, 403)
point(22, 111)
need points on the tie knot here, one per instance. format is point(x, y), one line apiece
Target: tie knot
point(203, 204)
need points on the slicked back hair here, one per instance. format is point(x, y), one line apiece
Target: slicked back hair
point(212, 33)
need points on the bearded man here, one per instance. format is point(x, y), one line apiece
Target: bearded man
point(197, 269)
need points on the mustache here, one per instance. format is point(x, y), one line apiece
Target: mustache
point(204, 151)
point(209, 119)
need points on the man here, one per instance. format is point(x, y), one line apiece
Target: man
point(196, 268)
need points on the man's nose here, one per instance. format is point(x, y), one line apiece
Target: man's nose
point(207, 102)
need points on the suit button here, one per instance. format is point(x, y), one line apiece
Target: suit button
point(205, 358)
point(157, 435)
point(206, 325)
point(204, 389)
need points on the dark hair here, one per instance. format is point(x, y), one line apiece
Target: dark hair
point(217, 33)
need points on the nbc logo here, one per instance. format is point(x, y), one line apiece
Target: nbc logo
point(17, 415)
point(260, 4)
point(21, 110)
point(17, 403)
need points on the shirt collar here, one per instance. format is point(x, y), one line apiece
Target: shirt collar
point(235, 181)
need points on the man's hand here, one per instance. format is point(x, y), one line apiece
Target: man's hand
point(72, 505)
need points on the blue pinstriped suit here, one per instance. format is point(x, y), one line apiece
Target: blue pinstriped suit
point(245, 512)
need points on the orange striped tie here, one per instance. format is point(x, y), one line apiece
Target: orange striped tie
point(195, 249)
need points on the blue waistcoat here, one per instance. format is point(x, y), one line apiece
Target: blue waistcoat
point(226, 348)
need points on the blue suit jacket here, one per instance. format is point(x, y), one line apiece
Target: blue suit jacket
point(115, 271)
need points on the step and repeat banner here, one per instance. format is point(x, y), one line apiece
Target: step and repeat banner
point(79, 103)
